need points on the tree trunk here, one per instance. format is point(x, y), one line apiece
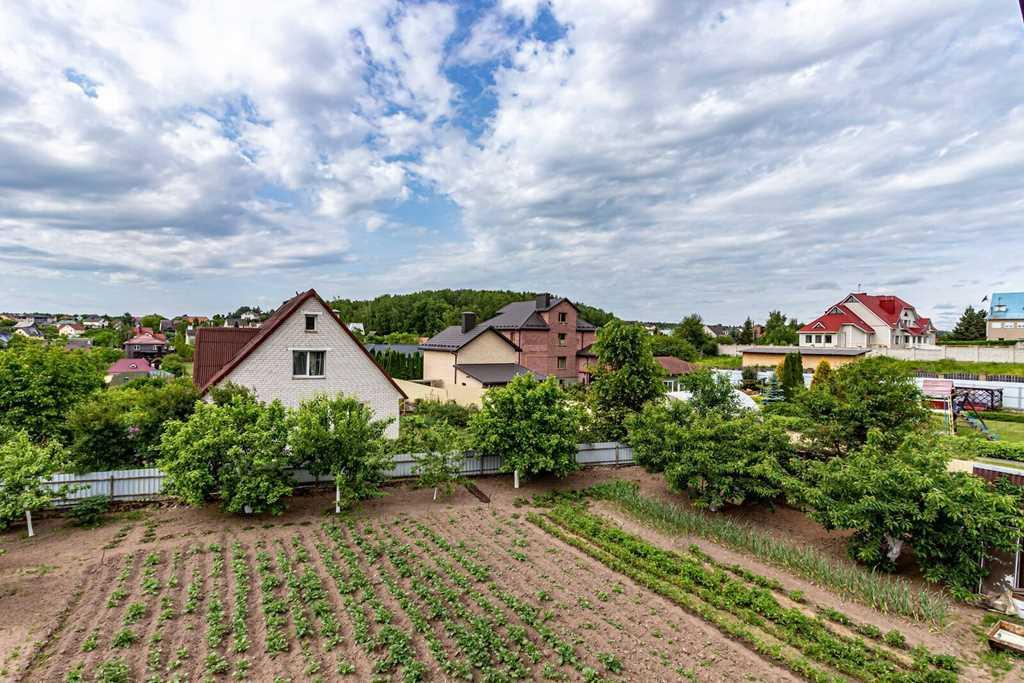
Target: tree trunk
point(28, 519)
point(337, 497)
point(895, 547)
point(515, 478)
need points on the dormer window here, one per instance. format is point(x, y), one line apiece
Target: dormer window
point(310, 322)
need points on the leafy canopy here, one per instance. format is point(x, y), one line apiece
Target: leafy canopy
point(338, 436)
point(532, 424)
point(40, 383)
point(906, 495)
point(778, 331)
point(438, 453)
point(874, 393)
point(625, 378)
point(24, 466)
point(236, 452)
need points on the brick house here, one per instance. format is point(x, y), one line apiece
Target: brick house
point(146, 344)
point(547, 337)
point(302, 350)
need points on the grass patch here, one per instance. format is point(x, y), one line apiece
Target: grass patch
point(879, 591)
point(724, 362)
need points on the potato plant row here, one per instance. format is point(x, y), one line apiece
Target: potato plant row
point(742, 605)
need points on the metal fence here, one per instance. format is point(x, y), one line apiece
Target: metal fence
point(148, 483)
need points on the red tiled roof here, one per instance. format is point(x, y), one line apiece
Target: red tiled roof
point(675, 366)
point(886, 307)
point(218, 364)
point(129, 365)
point(832, 321)
point(215, 347)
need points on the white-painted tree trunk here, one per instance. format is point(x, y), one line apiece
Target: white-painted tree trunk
point(895, 547)
point(28, 518)
point(337, 497)
point(435, 493)
point(515, 478)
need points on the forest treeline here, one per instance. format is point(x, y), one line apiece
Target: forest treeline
point(429, 312)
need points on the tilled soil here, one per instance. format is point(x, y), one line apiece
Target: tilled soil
point(55, 589)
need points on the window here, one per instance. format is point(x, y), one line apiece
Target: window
point(308, 363)
point(563, 317)
point(561, 339)
point(817, 339)
point(561, 363)
point(310, 323)
point(828, 338)
point(807, 338)
point(997, 326)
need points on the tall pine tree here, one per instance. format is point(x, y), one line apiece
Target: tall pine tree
point(971, 326)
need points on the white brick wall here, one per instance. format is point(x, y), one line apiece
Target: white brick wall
point(268, 369)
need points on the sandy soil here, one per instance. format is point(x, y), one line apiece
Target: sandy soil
point(54, 587)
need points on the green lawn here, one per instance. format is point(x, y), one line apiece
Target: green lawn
point(725, 362)
point(1008, 431)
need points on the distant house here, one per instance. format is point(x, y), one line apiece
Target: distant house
point(5, 338)
point(70, 329)
point(674, 369)
point(78, 343)
point(546, 332)
point(93, 322)
point(27, 328)
point(716, 331)
point(146, 344)
point(357, 327)
point(470, 355)
point(126, 369)
point(864, 320)
point(1006, 317)
point(167, 327)
point(302, 350)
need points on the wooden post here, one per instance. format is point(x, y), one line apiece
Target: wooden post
point(28, 518)
point(111, 487)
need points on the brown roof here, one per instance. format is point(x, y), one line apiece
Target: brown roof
point(453, 338)
point(675, 366)
point(218, 364)
point(215, 347)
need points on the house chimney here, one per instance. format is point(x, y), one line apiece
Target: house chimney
point(468, 321)
point(543, 301)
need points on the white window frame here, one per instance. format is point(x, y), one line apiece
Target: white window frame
point(306, 375)
point(306, 315)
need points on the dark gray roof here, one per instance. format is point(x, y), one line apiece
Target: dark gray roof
point(494, 374)
point(588, 351)
point(407, 349)
point(453, 338)
point(79, 343)
point(522, 315)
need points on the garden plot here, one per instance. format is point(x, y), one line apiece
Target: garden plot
point(452, 596)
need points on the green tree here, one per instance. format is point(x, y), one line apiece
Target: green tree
point(236, 452)
point(339, 436)
point(439, 457)
point(691, 330)
point(182, 347)
point(791, 375)
point(122, 427)
point(152, 321)
point(531, 425)
point(822, 375)
point(874, 393)
point(39, 384)
point(890, 498)
point(24, 466)
point(746, 335)
point(671, 345)
point(728, 461)
point(971, 326)
point(625, 378)
point(778, 331)
point(173, 364)
point(711, 392)
point(656, 432)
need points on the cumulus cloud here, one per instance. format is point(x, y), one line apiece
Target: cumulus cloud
point(651, 157)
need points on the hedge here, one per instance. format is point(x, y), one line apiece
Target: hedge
point(972, 449)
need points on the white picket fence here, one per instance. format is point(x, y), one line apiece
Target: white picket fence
point(148, 483)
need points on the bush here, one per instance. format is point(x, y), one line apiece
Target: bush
point(338, 436)
point(731, 461)
point(655, 433)
point(89, 512)
point(531, 424)
point(236, 452)
point(671, 345)
point(974, 448)
point(791, 375)
point(439, 457)
point(710, 393)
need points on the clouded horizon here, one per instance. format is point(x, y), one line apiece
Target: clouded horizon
point(653, 159)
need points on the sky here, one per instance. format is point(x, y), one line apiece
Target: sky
point(651, 158)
